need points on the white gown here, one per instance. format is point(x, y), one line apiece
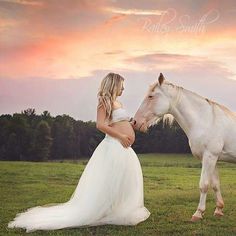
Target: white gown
point(110, 191)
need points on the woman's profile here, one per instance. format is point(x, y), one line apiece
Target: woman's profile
point(110, 189)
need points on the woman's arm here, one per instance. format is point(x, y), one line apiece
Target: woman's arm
point(102, 126)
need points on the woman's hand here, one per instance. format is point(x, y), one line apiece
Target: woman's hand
point(125, 140)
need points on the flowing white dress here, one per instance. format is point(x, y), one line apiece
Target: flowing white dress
point(110, 191)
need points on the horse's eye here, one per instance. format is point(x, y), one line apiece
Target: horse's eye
point(150, 96)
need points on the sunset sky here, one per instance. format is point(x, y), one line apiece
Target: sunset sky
point(53, 54)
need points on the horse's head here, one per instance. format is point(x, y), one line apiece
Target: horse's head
point(154, 106)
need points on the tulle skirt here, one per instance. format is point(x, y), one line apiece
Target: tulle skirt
point(109, 191)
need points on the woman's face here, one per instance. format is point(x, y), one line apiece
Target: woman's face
point(122, 88)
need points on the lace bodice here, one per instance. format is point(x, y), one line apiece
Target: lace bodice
point(119, 114)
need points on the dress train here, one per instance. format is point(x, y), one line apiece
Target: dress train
point(109, 191)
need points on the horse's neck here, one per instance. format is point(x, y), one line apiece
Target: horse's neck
point(187, 111)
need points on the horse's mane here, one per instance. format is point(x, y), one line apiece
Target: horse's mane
point(222, 107)
point(212, 103)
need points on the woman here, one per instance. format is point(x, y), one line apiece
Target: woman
point(110, 190)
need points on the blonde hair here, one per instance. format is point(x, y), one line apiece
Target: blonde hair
point(109, 89)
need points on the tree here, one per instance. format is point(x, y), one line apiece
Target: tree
point(65, 138)
point(30, 137)
point(18, 138)
point(43, 141)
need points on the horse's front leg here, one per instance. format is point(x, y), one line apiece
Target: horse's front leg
point(208, 166)
point(216, 188)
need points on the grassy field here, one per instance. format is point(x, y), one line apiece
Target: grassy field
point(171, 195)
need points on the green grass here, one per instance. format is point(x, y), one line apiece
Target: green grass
point(171, 195)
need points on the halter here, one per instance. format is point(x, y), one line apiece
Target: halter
point(177, 98)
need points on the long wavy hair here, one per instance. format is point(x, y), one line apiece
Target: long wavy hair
point(109, 89)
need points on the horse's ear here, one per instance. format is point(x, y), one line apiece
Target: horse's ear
point(161, 78)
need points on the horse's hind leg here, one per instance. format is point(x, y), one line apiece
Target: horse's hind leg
point(216, 188)
point(208, 166)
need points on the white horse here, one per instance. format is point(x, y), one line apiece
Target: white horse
point(209, 126)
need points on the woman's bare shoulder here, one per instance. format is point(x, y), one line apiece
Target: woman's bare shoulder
point(116, 104)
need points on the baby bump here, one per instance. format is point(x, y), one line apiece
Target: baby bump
point(126, 128)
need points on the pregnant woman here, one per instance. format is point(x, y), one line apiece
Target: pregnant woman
point(110, 190)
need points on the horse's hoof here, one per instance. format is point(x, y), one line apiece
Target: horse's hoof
point(218, 213)
point(195, 218)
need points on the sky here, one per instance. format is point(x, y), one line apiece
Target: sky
point(54, 54)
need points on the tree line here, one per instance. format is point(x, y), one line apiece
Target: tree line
point(27, 136)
